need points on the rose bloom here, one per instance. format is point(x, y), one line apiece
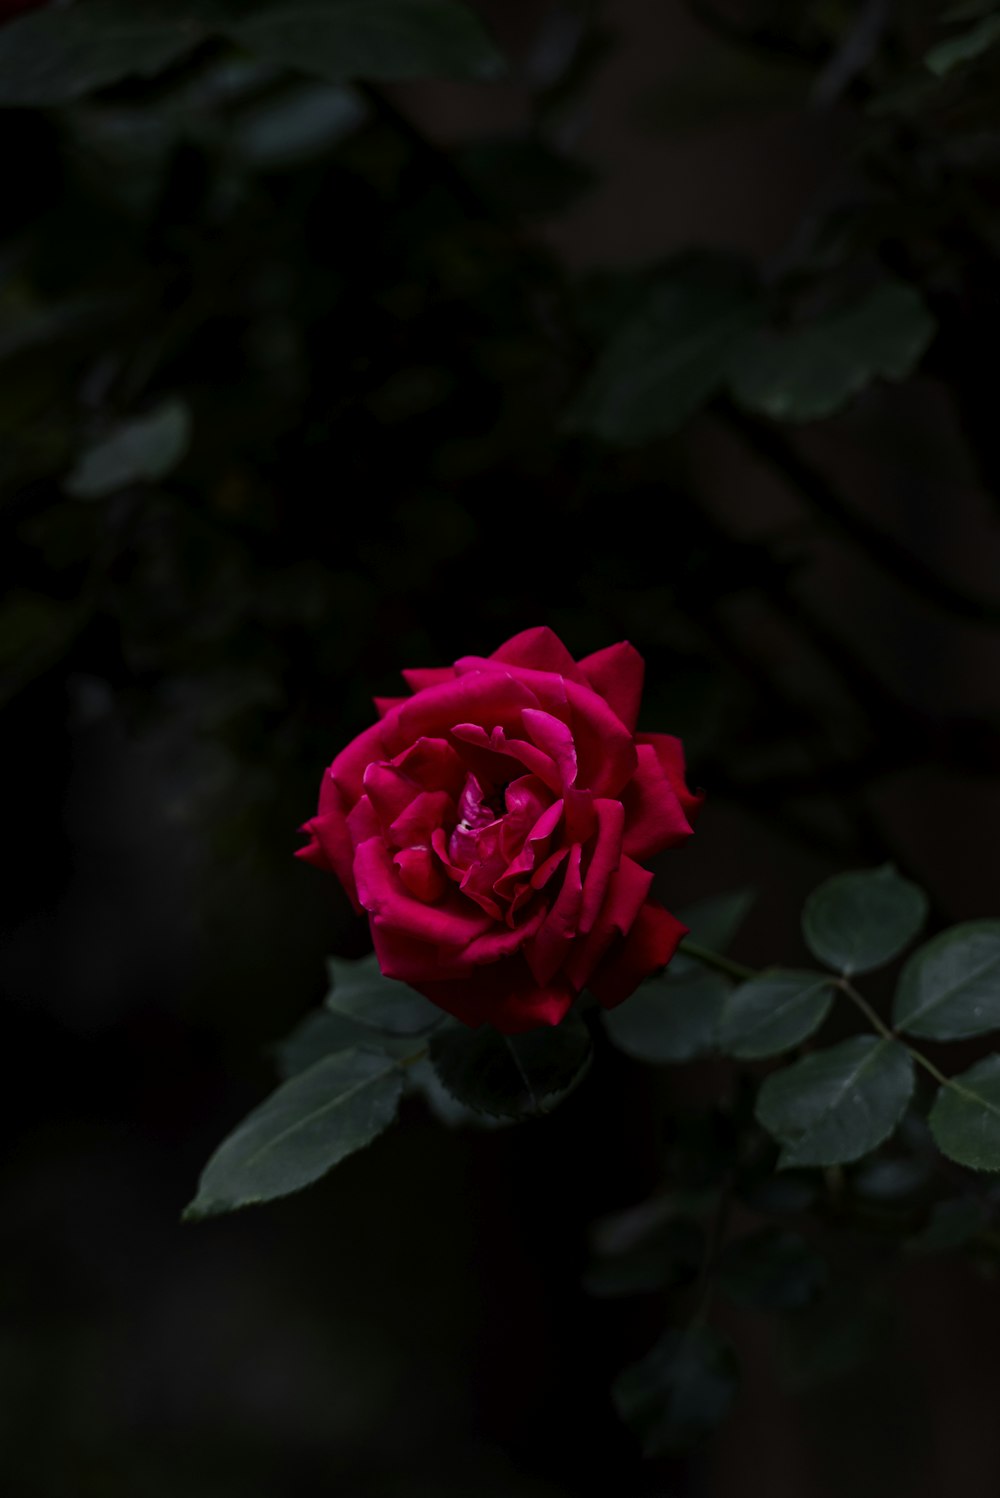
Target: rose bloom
point(494, 826)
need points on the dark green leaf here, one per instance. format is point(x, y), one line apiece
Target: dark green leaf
point(950, 988)
point(829, 1339)
point(670, 1019)
point(423, 1079)
point(836, 1105)
point(951, 1225)
point(144, 449)
point(301, 1131)
point(970, 44)
point(54, 55)
point(859, 921)
point(773, 1270)
point(773, 1013)
point(361, 992)
point(318, 1035)
point(670, 357)
point(371, 39)
point(810, 372)
point(680, 1392)
point(511, 1076)
point(965, 1118)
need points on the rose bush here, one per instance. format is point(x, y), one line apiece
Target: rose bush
point(494, 826)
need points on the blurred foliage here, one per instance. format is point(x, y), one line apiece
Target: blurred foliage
point(294, 391)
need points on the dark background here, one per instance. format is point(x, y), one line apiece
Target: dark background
point(378, 336)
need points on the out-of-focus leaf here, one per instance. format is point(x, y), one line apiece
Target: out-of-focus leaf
point(810, 372)
point(55, 55)
point(680, 1392)
point(965, 1118)
point(143, 449)
point(964, 48)
point(526, 177)
point(370, 39)
point(302, 123)
point(712, 923)
point(717, 87)
point(836, 1105)
point(668, 359)
point(773, 1270)
point(670, 1019)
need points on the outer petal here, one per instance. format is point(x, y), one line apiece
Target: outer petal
point(626, 894)
point(649, 946)
point(484, 697)
point(670, 753)
point(605, 857)
point(617, 675)
point(654, 816)
point(540, 649)
point(419, 678)
point(505, 996)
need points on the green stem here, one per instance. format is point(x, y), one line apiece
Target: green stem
point(716, 960)
point(878, 1023)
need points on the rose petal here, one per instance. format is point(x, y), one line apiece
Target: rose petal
point(546, 951)
point(419, 678)
point(481, 697)
point(433, 764)
point(670, 753)
point(415, 824)
point(616, 674)
point(554, 738)
point(385, 705)
point(421, 873)
point(605, 857)
point(452, 924)
point(654, 816)
point(627, 890)
point(651, 942)
point(505, 996)
point(541, 649)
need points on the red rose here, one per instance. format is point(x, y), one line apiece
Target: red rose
point(493, 826)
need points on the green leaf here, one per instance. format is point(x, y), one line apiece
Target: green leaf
point(511, 1076)
point(836, 1105)
point(773, 1013)
point(55, 55)
point(300, 1132)
point(712, 923)
point(964, 48)
point(319, 1034)
point(144, 449)
point(772, 1270)
point(965, 1118)
point(859, 921)
point(810, 372)
point(668, 359)
point(950, 988)
point(360, 991)
point(371, 39)
point(669, 1019)
point(680, 1392)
